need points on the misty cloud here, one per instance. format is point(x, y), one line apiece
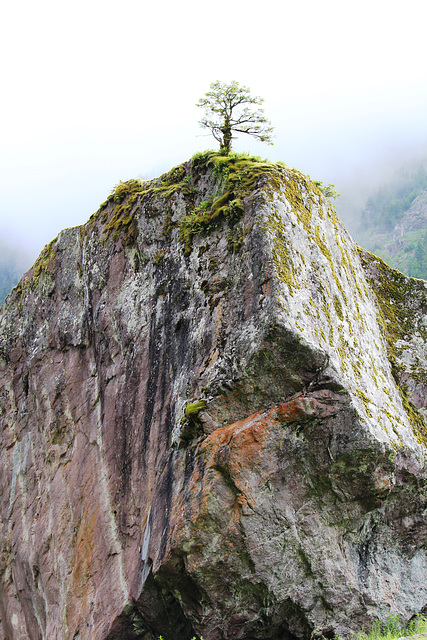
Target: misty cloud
point(345, 100)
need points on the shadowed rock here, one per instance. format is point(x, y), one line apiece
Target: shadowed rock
point(213, 419)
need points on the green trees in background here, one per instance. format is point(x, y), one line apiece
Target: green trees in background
point(229, 108)
point(10, 275)
point(13, 263)
point(387, 206)
point(386, 227)
point(418, 262)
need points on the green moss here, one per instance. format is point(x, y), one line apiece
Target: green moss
point(282, 253)
point(168, 226)
point(158, 257)
point(397, 297)
point(343, 349)
point(43, 268)
point(401, 315)
point(44, 262)
point(237, 176)
point(365, 400)
point(208, 216)
point(227, 205)
point(294, 196)
point(118, 214)
point(194, 408)
point(302, 194)
point(235, 239)
point(338, 308)
point(320, 240)
point(190, 424)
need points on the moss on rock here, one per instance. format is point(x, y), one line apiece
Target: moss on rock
point(402, 302)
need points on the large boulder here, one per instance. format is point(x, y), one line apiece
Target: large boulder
point(213, 419)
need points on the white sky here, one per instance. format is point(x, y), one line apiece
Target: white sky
point(96, 92)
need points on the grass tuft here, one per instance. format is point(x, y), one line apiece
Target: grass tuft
point(392, 629)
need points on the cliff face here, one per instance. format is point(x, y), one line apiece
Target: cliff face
point(213, 419)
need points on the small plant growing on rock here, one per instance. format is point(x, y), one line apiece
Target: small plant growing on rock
point(328, 190)
point(393, 628)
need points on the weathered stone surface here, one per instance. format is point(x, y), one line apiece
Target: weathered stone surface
point(212, 420)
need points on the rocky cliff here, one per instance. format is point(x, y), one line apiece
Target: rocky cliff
point(213, 419)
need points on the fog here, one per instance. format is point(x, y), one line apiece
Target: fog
point(14, 256)
point(366, 178)
point(95, 93)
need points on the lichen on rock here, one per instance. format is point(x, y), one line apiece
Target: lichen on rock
point(213, 417)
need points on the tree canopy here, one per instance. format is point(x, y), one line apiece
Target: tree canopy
point(229, 108)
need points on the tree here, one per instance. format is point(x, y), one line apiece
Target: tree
point(227, 112)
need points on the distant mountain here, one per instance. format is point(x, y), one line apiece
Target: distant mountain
point(13, 263)
point(394, 223)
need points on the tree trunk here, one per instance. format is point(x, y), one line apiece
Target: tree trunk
point(226, 139)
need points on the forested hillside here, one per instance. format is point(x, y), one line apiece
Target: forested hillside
point(393, 223)
point(13, 263)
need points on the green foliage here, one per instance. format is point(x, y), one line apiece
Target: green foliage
point(227, 112)
point(385, 208)
point(233, 177)
point(236, 176)
point(406, 252)
point(392, 629)
point(418, 263)
point(328, 190)
point(386, 227)
point(13, 263)
point(117, 214)
point(44, 263)
point(9, 277)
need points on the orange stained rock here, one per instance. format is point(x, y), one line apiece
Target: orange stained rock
point(296, 409)
point(86, 540)
point(266, 288)
point(82, 588)
point(240, 444)
point(238, 448)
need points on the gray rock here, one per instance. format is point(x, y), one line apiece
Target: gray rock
point(213, 420)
